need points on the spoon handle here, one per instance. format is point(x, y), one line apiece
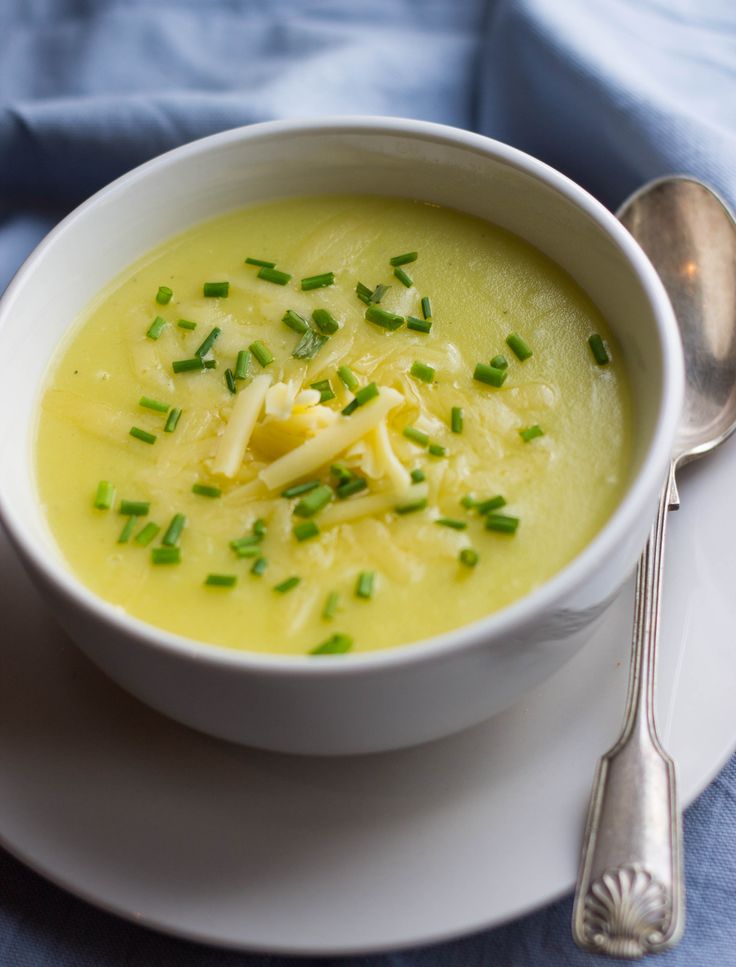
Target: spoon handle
point(629, 896)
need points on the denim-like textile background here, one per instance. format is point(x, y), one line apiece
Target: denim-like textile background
point(612, 92)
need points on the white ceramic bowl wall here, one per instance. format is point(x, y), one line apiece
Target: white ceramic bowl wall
point(375, 701)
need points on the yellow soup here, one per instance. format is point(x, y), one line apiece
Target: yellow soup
point(245, 458)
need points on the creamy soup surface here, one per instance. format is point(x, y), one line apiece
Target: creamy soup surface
point(423, 484)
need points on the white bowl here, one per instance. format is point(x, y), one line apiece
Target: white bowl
point(386, 699)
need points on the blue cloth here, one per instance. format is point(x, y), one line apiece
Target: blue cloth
point(612, 92)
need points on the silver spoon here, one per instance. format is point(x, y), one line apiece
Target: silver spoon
point(629, 897)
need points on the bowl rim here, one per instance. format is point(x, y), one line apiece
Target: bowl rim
point(476, 634)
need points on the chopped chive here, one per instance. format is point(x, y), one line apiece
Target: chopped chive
point(418, 475)
point(468, 501)
point(597, 347)
point(127, 530)
point(468, 557)
point(364, 584)
point(172, 535)
point(294, 321)
point(363, 395)
point(486, 506)
point(456, 419)
point(305, 530)
point(247, 550)
point(499, 362)
point(150, 404)
point(325, 321)
point(334, 645)
point(270, 274)
point(458, 525)
point(172, 420)
point(418, 325)
point(146, 534)
point(502, 523)
point(165, 555)
point(384, 318)
point(261, 352)
point(436, 450)
point(264, 263)
point(324, 387)
point(416, 436)
point(188, 365)
point(519, 347)
point(186, 324)
point(426, 307)
point(404, 278)
point(298, 489)
point(104, 495)
point(331, 605)
point(314, 501)
point(363, 293)
point(287, 585)
point(348, 378)
point(209, 364)
point(241, 544)
point(242, 364)
point(164, 294)
point(221, 580)
point(378, 293)
point(143, 435)
point(489, 374)
point(318, 281)
point(259, 566)
point(208, 342)
point(156, 328)
point(351, 487)
point(216, 290)
point(411, 506)
point(403, 259)
point(259, 528)
point(531, 432)
point(422, 371)
point(205, 490)
point(309, 345)
point(136, 508)
point(342, 473)
point(230, 381)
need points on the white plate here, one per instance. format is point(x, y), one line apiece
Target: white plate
point(253, 850)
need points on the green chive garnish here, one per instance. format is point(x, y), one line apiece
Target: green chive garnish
point(325, 321)
point(221, 580)
point(422, 371)
point(378, 293)
point(186, 324)
point(531, 432)
point(208, 342)
point(270, 274)
point(364, 584)
point(230, 381)
point(261, 352)
point(104, 495)
point(189, 365)
point(142, 435)
point(331, 605)
point(264, 263)
point(164, 294)
point(348, 378)
point(416, 436)
point(165, 555)
point(502, 523)
point(172, 535)
point(404, 278)
point(519, 347)
point(156, 328)
point(172, 420)
point(150, 404)
point(363, 293)
point(597, 347)
point(216, 290)
point(350, 487)
point(486, 506)
point(205, 490)
point(418, 475)
point(411, 506)
point(456, 419)
point(146, 534)
point(287, 585)
point(468, 501)
point(499, 362)
point(426, 307)
point(246, 547)
point(418, 325)
point(436, 450)
point(309, 345)
point(468, 557)
point(242, 364)
point(335, 645)
point(259, 566)
point(306, 530)
point(324, 387)
point(298, 489)
point(490, 375)
point(342, 472)
point(363, 395)
point(314, 501)
point(135, 508)
point(383, 318)
point(403, 259)
point(259, 528)
point(458, 525)
point(318, 281)
point(294, 321)
point(127, 530)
